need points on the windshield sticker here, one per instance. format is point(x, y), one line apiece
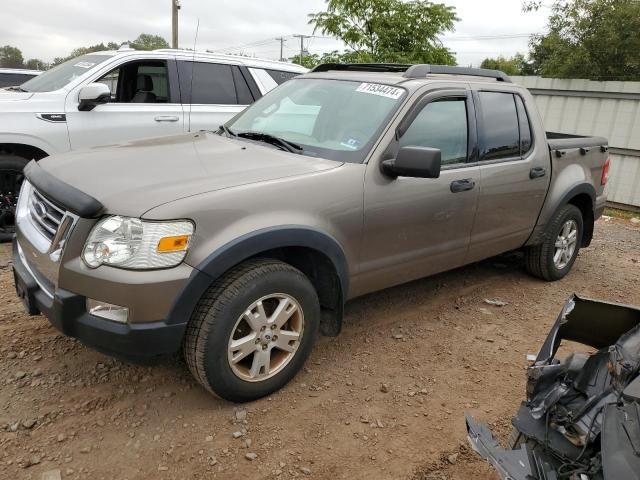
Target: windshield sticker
point(380, 90)
point(84, 64)
point(351, 143)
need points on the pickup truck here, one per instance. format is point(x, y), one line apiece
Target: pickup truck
point(105, 98)
point(240, 245)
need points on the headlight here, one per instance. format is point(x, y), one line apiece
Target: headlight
point(137, 244)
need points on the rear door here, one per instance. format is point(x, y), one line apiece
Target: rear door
point(212, 93)
point(514, 171)
point(414, 227)
point(144, 103)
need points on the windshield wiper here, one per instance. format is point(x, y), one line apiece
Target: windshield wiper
point(227, 131)
point(272, 140)
point(16, 89)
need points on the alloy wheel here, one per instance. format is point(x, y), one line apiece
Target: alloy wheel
point(566, 244)
point(266, 337)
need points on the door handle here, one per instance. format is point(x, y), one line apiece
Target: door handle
point(537, 172)
point(462, 185)
point(167, 118)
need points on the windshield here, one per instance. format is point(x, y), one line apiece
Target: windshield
point(61, 75)
point(333, 119)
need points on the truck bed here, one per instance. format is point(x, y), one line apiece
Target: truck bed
point(566, 141)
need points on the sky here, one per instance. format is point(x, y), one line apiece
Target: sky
point(45, 29)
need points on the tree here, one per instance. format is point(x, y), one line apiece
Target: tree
point(516, 65)
point(36, 64)
point(146, 41)
point(593, 39)
point(11, 57)
point(389, 30)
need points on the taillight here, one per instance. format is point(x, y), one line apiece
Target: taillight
point(605, 172)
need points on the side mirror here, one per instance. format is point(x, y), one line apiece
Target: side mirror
point(93, 95)
point(416, 162)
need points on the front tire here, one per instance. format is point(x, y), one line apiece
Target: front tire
point(554, 257)
point(11, 178)
point(252, 331)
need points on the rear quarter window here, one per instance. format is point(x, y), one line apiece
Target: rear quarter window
point(280, 76)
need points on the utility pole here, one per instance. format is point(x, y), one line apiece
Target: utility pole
point(302, 37)
point(282, 41)
point(175, 6)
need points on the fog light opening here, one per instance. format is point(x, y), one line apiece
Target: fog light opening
point(108, 311)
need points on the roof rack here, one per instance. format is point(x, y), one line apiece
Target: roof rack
point(419, 71)
point(412, 71)
point(361, 67)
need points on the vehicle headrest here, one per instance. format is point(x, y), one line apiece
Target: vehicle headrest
point(145, 83)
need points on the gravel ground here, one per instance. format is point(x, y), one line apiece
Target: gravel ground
point(384, 400)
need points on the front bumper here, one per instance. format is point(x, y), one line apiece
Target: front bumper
point(136, 342)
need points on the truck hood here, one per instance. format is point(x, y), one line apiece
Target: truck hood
point(12, 96)
point(132, 178)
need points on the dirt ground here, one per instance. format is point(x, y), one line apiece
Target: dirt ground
point(385, 400)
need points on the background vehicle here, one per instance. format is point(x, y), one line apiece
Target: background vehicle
point(10, 77)
point(106, 98)
point(240, 245)
point(582, 415)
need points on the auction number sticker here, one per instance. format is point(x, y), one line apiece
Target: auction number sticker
point(380, 90)
point(84, 64)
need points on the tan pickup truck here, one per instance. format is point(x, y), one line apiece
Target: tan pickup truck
point(239, 245)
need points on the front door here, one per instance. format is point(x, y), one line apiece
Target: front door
point(144, 103)
point(415, 227)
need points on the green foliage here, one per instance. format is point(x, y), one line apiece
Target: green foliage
point(593, 39)
point(516, 65)
point(11, 57)
point(389, 30)
point(146, 41)
point(36, 64)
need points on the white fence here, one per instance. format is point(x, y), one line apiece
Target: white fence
point(608, 109)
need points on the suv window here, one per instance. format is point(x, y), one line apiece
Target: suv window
point(441, 124)
point(13, 79)
point(139, 82)
point(212, 83)
point(501, 137)
point(526, 141)
point(280, 77)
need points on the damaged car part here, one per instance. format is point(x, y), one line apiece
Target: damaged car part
point(581, 419)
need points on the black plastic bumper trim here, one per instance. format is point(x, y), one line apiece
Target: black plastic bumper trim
point(67, 313)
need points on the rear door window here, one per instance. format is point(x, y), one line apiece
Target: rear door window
point(501, 133)
point(204, 83)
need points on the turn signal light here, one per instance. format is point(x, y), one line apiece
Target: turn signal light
point(605, 172)
point(173, 244)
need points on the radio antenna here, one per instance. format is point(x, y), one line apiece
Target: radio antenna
point(193, 67)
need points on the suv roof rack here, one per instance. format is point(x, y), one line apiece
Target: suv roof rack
point(361, 67)
point(412, 71)
point(419, 71)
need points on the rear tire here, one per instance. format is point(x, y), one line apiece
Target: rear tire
point(11, 167)
point(555, 256)
point(252, 331)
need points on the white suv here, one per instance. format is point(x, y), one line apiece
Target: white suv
point(113, 97)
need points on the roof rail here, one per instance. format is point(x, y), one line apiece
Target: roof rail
point(361, 67)
point(419, 71)
point(412, 71)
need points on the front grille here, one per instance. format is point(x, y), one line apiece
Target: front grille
point(45, 214)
